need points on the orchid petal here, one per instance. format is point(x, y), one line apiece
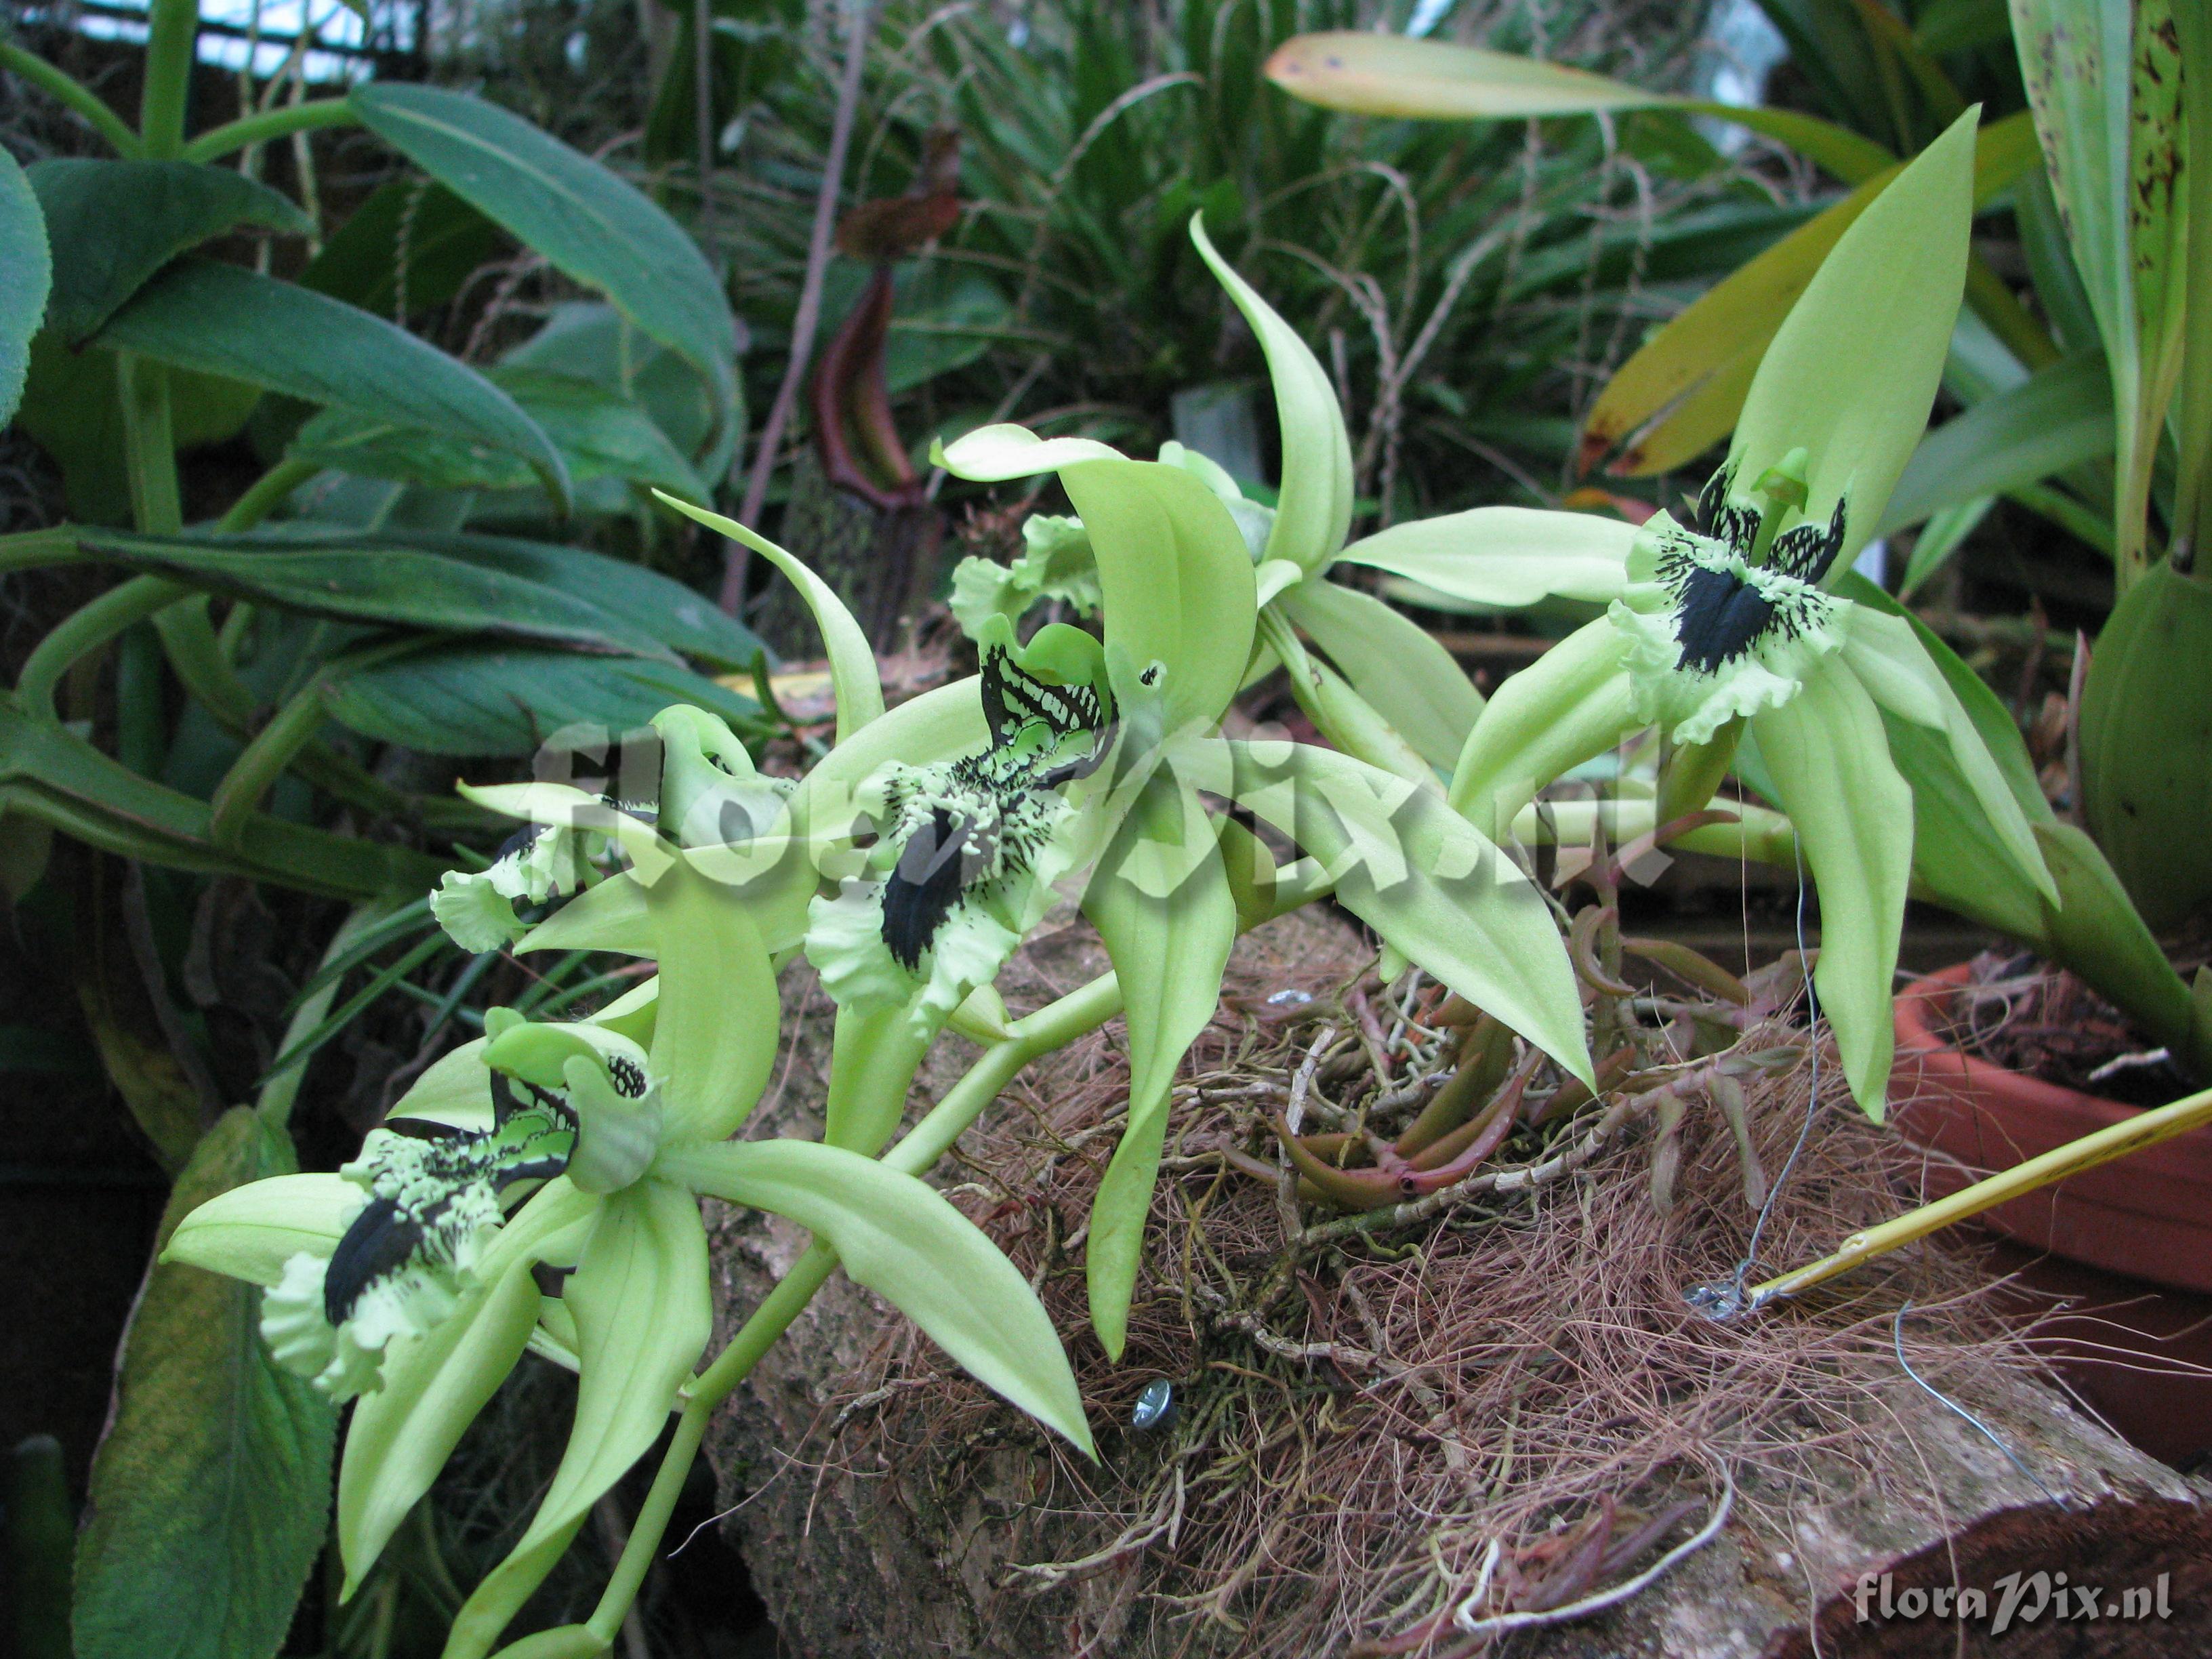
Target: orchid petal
point(1394, 664)
point(250, 1232)
point(1505, 555)
point(1178, 583)
point(714, 1038)
point(1828, 755)
point(1427, 881)
point(1571, 705)
point(1169, 942)
point(852, 660)
point(873, 1055)
point(1891, 663)
point(435, 1384)
point(1313, 510)
point(643, 1315)
point(993, 455)
point(902, 1240)
point(1853, 369)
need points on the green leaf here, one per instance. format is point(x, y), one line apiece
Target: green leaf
point(1944, 533)
point(1313, 510)
point(210, 1490)
point(2146, 738)
point(640, 1299)
point(1949, 26)
point(1853, 369)
point(598, 433)
point(351, 575)
point(52, 776)
point(654, 606)
point(435, 1384)
point(1393, 663)
point(1504, 555)
point(1177, 581)
point(591, 225)
point(2057, 418)
point(1435, 889)
point(26, 273)
point(72, 408)
point(1391, 75)
point(489, 700)
point(115, 223)
point(405, 251)
point(221, 320)
point(1827, 753)
point(2103, 85)
point(587, 340)
point(901, 1239)
point(1169, 941)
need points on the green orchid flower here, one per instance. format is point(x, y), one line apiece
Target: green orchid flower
point(1727, 631)
point(1087, 765)
point(411, 1279)
point(1382, 688)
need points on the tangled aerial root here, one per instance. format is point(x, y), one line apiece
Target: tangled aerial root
point(1482, 1407)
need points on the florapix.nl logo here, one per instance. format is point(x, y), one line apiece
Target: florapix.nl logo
point(2016, 1600)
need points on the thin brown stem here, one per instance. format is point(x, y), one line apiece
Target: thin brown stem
point(738, 558)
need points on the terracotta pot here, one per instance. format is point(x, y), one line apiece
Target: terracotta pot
point(2127, 1245)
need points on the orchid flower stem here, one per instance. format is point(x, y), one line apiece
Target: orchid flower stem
point(731, 1366)
point(263, 761)
point(29, 550)
point(278, 123)
point(266, 494)
point(85, 631)
point(170, 33)
point(74, 94)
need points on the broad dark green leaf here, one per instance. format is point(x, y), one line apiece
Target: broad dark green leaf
point(1949, 26)
point(410, 247)
point(25, 271)
point(221, 320)
point(473, 700)
point(2057, 418)
point(115, 223)
point(658, 605)
point(589, 341)
point(70, 407)
point(367, 577)
point(211, 1491)
point(593, 226)
point(598, 432)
